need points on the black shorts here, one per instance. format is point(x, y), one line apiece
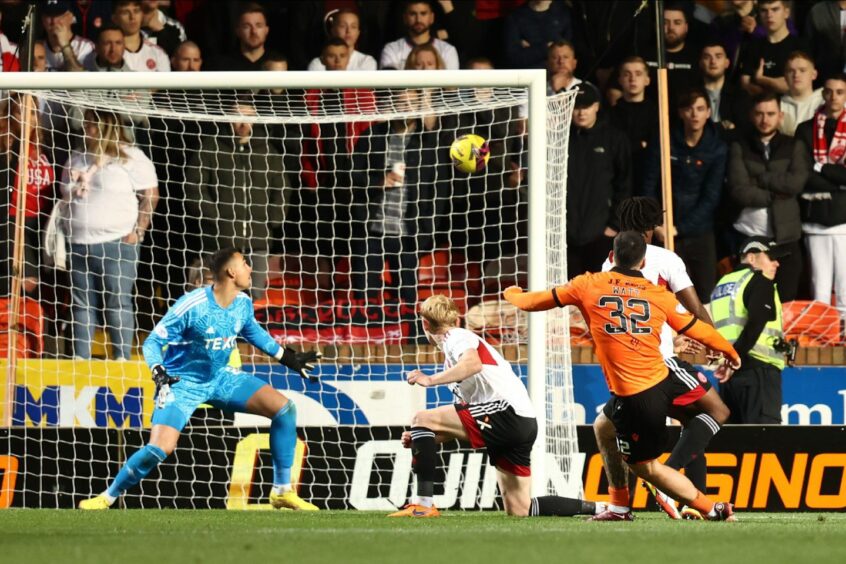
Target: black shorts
point(508, 437)
point(641, 419)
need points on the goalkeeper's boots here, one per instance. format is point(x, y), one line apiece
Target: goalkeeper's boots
point(290, 500)
point(691, 514)
point(95, 503)
point(609, 515)
point(665, 502)
point(724, 511)
point(412, 510)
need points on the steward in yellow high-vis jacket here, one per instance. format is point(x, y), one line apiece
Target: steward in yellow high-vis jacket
point(746, 310)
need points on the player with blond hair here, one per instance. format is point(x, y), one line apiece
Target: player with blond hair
point(493, 410)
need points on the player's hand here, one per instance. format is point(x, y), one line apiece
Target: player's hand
point(406, 439)
point(301, 362)
point(162, 378)
point(684, 345)
point(393, 180)
point(419, 378)
point(726, 371)
point(512, 292)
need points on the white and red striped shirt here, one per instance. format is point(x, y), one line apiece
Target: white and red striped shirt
point(497, 381)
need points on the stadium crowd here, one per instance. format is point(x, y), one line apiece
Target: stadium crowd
point(758, 143)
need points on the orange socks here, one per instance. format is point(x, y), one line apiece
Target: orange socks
point(702, 503)
point(620, 497)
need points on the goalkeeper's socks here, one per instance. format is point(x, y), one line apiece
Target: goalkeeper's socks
point(695, 436)
point(279, 489)
point(619, 500)
point(553, 505)
point(426, 501)
point(136, 469)
point(283, 442)
point(424, 452)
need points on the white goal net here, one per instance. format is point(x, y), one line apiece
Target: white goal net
point(342, 195)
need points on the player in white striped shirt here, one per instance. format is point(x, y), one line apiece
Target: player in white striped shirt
point(493, 410)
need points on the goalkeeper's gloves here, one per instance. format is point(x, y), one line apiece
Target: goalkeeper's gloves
point(300, 362)
point(162, 378)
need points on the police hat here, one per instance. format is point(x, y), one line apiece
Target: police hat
point(763, 245)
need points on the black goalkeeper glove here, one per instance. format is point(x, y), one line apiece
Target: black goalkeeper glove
point(162, 378)
point(300, 362)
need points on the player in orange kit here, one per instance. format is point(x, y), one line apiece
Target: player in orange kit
point(625, 313)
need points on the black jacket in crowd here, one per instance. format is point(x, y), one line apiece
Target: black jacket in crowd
point(639, 121)
point(698, 173)
point(424, 181)
point(735, 105)
point(599, 177)
point(239, 192)
point(774, 183)
point(824, 199)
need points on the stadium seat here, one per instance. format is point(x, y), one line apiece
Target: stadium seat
point(813, 324)
point(30, 326)
point(295, 323)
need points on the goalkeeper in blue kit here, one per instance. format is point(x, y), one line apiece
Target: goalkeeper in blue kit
point(199, 333)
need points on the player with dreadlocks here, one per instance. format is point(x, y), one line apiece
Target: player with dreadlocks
point(701, 411)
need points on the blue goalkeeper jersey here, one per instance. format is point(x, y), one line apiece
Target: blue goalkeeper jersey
point(200, 335)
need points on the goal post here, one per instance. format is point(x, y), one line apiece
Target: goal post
point(74, 401)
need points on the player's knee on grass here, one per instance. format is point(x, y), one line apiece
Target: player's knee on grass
point(515, 504)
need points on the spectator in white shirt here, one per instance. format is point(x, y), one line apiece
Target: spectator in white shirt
point(801, 100)
point(140, 54)
point(345, 24)
point(112, 189)
point(65, 50)
point(418, 18)
point(187, 58)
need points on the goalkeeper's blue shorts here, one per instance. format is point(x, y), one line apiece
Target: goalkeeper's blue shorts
point(229, 390)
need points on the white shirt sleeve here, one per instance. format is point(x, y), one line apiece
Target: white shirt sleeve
point(162, 60)
point(142, 172)
point(367, 63)
point(316, 65)
point(450, 56)
point(392, 56)
point(678, 278)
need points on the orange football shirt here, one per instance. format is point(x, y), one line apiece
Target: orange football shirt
point(625, 313)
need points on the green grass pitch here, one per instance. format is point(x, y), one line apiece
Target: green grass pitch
point(257, 537)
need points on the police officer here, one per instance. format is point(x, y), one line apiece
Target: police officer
point(746, 310)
